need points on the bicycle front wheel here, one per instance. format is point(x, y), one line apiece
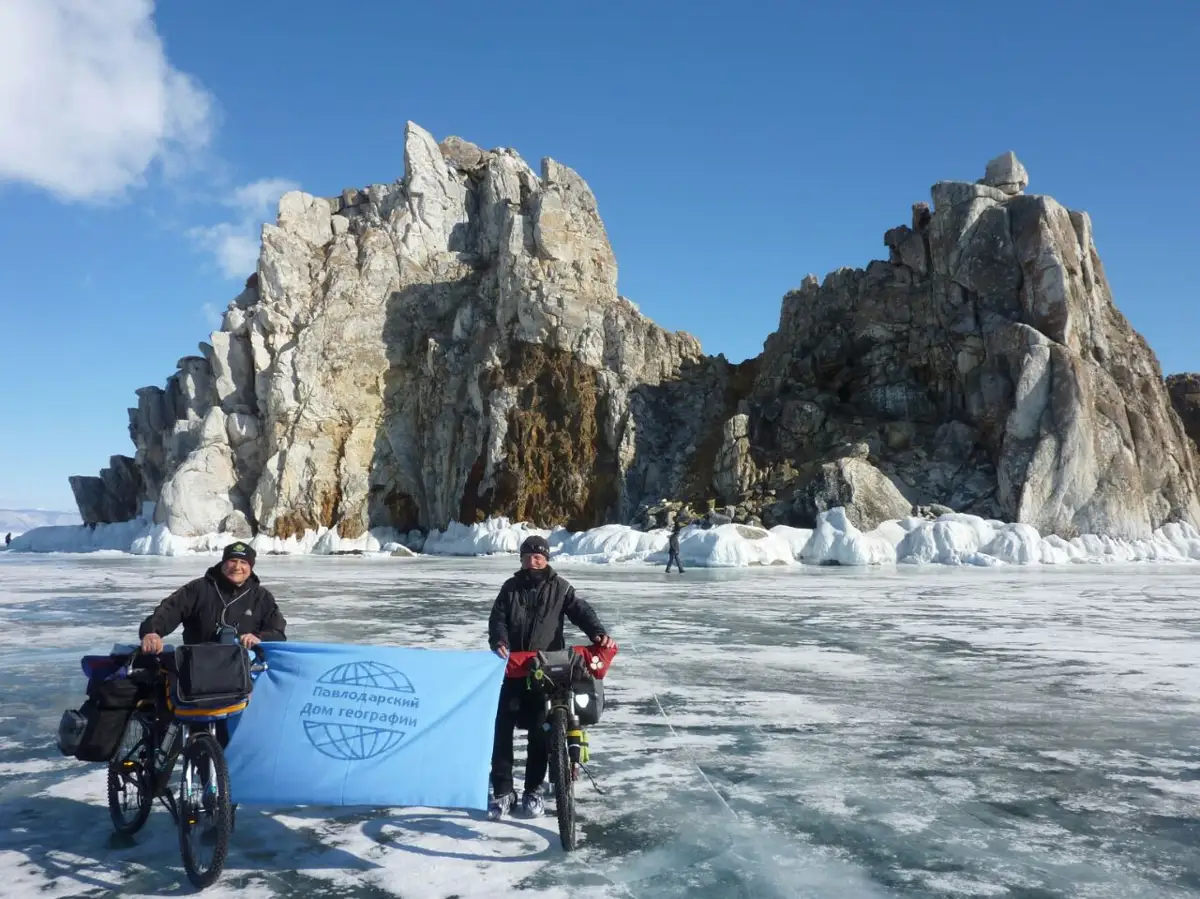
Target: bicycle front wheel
point(205, 810)
point(564, 786)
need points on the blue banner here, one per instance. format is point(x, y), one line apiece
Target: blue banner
point(338, 725)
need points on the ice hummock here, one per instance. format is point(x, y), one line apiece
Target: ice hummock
point(951, 539)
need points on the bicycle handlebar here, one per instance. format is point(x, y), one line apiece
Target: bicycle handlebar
point(593, 659)
point(150, 674)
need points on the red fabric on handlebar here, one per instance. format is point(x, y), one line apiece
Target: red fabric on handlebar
point(598, 660)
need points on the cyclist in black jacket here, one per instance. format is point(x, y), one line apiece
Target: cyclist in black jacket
point(228, 594)
point(528, 616)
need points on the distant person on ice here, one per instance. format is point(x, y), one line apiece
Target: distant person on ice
point(673, 548)
point(528, 616)
point(8, 538)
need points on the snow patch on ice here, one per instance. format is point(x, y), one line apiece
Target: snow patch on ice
point(953, 539)
point(496, 535)
point(610, 543)
point(838, 542)
point(730, 546)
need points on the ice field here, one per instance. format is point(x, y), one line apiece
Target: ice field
point(902, 730)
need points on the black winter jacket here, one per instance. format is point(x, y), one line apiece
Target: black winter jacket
point(529, 610)
point(200, 604)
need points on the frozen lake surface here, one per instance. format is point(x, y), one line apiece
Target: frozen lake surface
point(1031, 733)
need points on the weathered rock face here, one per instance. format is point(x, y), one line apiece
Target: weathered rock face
point(867, 494)
point(987, 369)
point(452, 346)
point(445, 347)
point(1184, 391)
point(111, 497)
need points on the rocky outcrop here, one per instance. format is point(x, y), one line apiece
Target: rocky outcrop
point(452, 346)
point(444, 347)
point(987, 369)
point(867, 495)
point(114, 496)
point(1184, 391)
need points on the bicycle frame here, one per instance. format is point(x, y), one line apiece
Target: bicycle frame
point(560, 702)
point(157, 717)
point(154, 721)
point(557, 672)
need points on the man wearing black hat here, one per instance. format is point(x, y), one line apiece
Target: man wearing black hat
point(528, 616)
point(228, 594)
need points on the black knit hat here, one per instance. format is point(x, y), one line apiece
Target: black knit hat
point(239, 550)
point(535, 543)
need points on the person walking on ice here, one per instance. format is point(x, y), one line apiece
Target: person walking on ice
point(673, 548)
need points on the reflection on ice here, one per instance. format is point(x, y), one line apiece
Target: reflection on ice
point(773, 731)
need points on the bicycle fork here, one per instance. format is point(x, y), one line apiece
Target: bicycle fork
point(578, 750)
point(577, 745)
point(578, 754)
point(195, 793)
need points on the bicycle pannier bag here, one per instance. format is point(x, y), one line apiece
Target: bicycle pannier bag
point(71, 728)
point(94, 731)
point(589, 701)
point(208, 672)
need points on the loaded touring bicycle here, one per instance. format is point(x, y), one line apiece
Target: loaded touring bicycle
point(571, 683)
point(144, 713)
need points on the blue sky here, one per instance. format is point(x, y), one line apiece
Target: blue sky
point(732, 147)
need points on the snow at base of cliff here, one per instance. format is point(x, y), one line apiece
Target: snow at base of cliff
point(952, 539)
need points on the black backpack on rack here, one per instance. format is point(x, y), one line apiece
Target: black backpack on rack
point(93, 732)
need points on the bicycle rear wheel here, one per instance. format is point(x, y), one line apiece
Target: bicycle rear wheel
point(564, 787)
point(205, 810)
point(130, 786)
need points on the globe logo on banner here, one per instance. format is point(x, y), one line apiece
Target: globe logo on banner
point(360, 710)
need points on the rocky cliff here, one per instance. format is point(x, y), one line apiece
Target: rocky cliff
point(986, 368)
point(1184, 390)
point(443, 347)
point(452, 346)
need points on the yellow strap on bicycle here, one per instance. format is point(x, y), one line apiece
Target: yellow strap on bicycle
point(200, 712)
point(209, 713)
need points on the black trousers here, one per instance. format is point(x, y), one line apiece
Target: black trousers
point(521, 707)
point(674, 557)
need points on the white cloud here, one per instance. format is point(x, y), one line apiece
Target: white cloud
point(213, 315)
point(88, 100)
point(89, 104)
point(235, 244)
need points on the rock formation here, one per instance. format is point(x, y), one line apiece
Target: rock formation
point(983, 368)
point(452, 346)
point(439, 348)
point(986, 367)
point(1185, 397)
point(111, 497)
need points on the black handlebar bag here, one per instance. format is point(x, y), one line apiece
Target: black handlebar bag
point(208, 673)
point(568, 667)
